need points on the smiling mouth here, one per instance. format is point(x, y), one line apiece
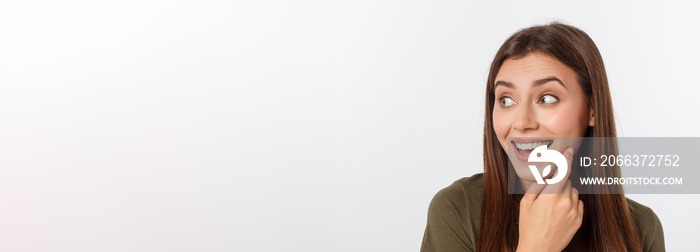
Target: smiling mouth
point(528, 147)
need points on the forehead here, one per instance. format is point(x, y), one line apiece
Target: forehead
point(532, 67)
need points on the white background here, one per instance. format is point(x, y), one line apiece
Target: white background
point(287, 126)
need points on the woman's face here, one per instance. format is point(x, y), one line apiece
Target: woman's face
point(538, 96)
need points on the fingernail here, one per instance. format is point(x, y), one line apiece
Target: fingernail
point(571, 150)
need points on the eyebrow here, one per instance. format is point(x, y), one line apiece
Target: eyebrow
point(534, 83)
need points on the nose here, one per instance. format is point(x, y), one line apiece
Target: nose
point(525, 119)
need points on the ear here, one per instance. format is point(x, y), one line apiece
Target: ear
point(591, 118)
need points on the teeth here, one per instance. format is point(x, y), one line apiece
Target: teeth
point(531, 146)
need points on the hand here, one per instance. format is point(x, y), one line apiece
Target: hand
point(550, 215)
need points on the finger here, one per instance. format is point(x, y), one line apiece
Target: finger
point(580, 207)
point(569, 156)
point(533, 191)
point(563, 187)
point(574, 194)
point(567, 187)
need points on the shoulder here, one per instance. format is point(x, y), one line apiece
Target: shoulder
point(459, 203)
point(454, 215)
point(472, 185)
point(467, 191)
point(648, 226)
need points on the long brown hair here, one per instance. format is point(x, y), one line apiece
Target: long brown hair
point(607, 223)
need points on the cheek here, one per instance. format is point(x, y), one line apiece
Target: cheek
point(564, 122)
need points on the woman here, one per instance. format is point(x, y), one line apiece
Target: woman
point(545, 81)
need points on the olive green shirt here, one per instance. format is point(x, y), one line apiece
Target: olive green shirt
point(455, 211)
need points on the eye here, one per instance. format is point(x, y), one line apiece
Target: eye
point(506, 102)
point(548, 99)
